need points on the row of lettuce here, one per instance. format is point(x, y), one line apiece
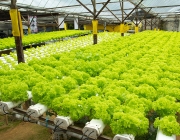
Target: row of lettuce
point(9, 61)
point(130, 83)
point(9, 42)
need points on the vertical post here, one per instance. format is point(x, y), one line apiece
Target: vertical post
point(61, 22)
point(136, 29)
point(65, 26)
point(26, 104)
point(151, 23)
point(18, 39)
point(76, 23)
point(136, 25)
point(155, 24)
point(44, 28)
point(29, 24)
point(6, 119)
point(145, 23)
point(17, 33)
point(122, 24)
point(95, 23)
point(29, 30)
point(159, 24)
point(104, 26)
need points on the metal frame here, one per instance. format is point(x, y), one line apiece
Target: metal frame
point(100, 14)
point(51, 10)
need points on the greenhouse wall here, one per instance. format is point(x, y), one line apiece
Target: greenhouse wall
point(173, 25)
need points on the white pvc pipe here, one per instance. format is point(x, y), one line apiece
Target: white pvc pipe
point(72, 134)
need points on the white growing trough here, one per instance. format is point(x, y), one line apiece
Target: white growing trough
point(123, 137)
point(6, 106)
point(63, 122)
point(161, 136)
point(93, 129)
point(36, 110)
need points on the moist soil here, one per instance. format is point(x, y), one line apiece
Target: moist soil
point(19, 130)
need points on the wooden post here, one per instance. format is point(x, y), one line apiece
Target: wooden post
point(94, 15)
point(136, 23)
point(18, 39)
point(19, 49)
point(94, 11)
point(6, 119)
point(159, 24)
point(122, 11)
point(26, 104)
point(104, 26)
point(151, 23)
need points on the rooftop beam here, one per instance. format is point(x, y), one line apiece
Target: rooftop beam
point(145, 15)
point(102, 9)
point(113, 14)
point(63, 20)
point(132, 10)
point(85, 7)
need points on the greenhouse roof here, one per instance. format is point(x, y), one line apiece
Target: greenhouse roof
point(110, 13)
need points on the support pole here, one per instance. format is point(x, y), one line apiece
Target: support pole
point(136, 29)
point(145, 18)
point(136, 24)
point(104, 26)
point(63, 20)
point(151, 23)
point(65, 26)
point(6, 119)
point(29, 30)
point(19, 49)
point(95, 23)
point(18, 39)
point(29, 24)
point(76, 23)
point(159, 24)
point(55, 20)
point(122, 23)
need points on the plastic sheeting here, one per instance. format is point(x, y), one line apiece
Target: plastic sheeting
point(73, 7)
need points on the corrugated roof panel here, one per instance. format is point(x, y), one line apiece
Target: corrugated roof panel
point(35, 2)
point(51, 4)
point(157, 3)
point(74, 7)
point(54, 4)
point(27, 2)
point(66, 3)
point(128, 5)
point(4, 2)
point(20, 1)
point(175, 9)
point(42, 3)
